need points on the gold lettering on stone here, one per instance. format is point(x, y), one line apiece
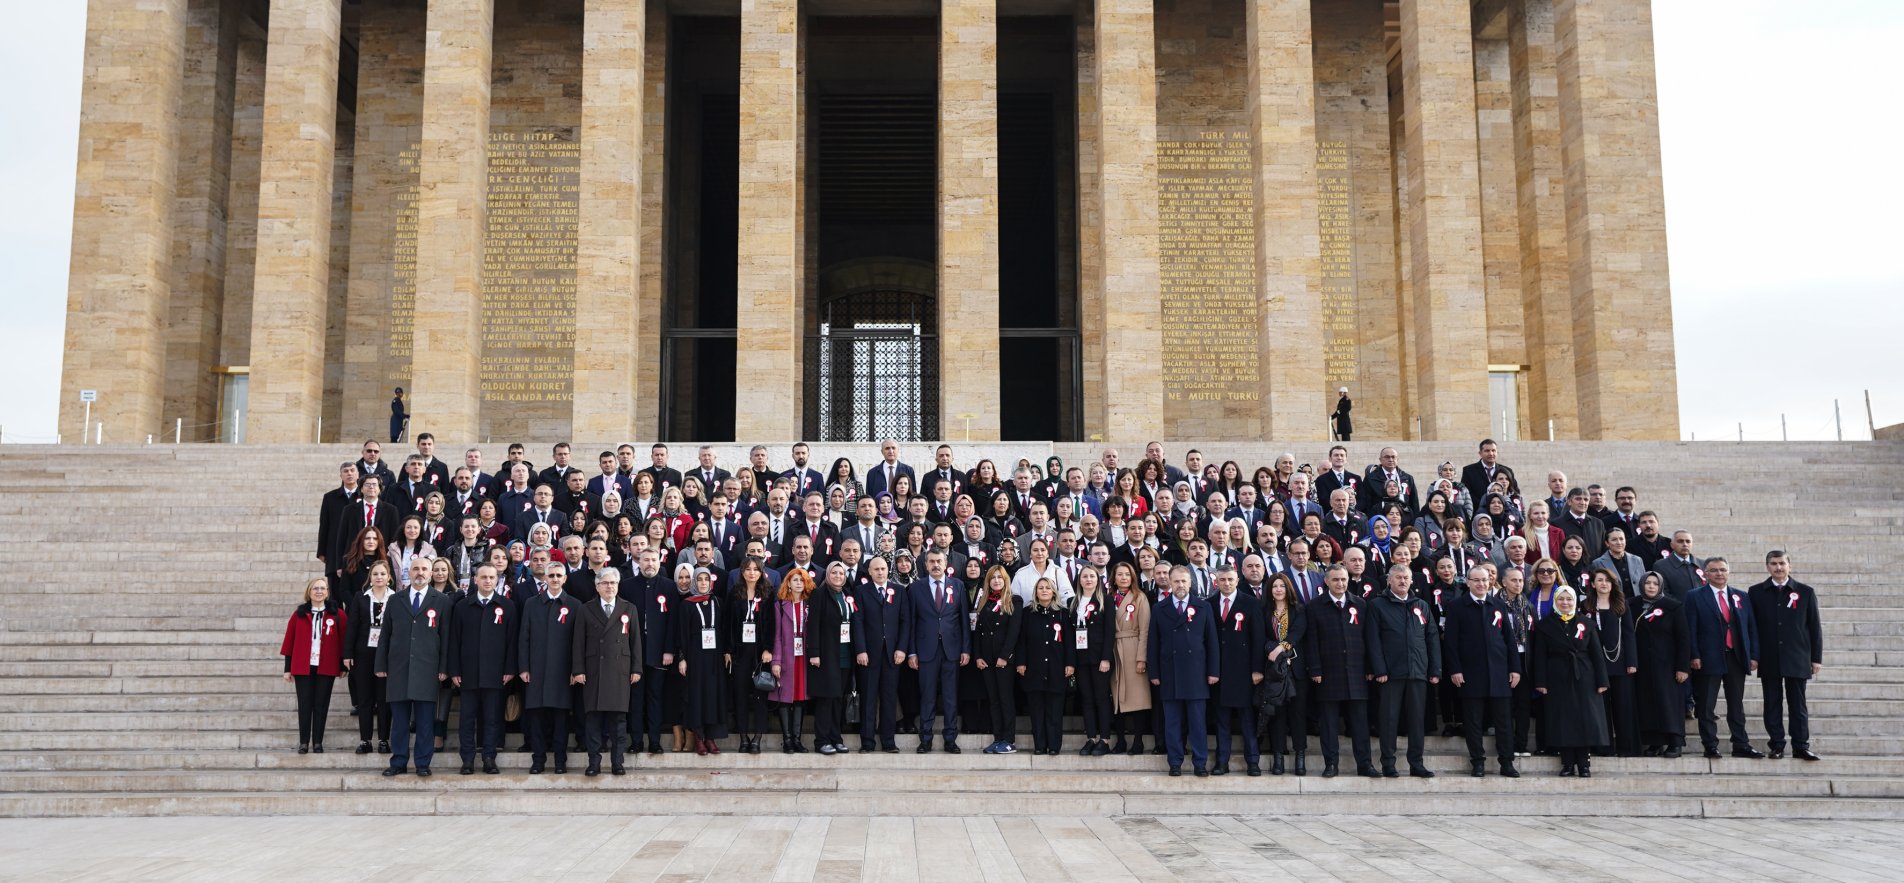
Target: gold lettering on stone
point(1206, 218)
point(1336, 195)
point(529, 277)
point(403, 261)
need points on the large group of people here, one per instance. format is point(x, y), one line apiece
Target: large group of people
point(1162, 604)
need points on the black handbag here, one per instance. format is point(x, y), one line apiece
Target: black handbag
point(852, 708)
point(1277, 687)
point(765, 682)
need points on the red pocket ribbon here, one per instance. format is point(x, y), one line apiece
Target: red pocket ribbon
point(1420, 616)
point(1057, 631)
point(1239, 622)
point(499, 614)
point(1497, 619)
point(431, 615)
point(1579, 631)
point(1190, 614)
point(624, 623)
point(663, 601)
point(1353, 619)
point(1793, 603)
point(561, 615)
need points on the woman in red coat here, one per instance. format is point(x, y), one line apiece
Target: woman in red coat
point(313, 652)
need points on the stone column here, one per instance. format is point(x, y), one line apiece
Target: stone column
point(1126, 56)
point(290, 298)
point(119, 283)
point(1282, 107)
point(1541, 185)
point(1444, 219)
point(609, 248)
point(198, 216)
point(654, 218)
point(968, 219)
point(452, 214)
point(1616, 220)
point(772, 226)
point(1090, 229)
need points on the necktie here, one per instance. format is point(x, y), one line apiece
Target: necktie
point(608, 609)
point(370, 513)
point(1725, 613)
point(1226, 608)
point(1180, 606)
point(416, 603)
point(889, 477)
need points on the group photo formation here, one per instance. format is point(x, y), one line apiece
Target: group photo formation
point(1247, 618)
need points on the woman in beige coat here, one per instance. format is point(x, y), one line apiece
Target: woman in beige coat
point(1130, 690)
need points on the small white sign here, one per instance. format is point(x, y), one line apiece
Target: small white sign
point(89, 395)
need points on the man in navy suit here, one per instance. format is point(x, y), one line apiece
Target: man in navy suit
point(1184, 664)
point(1725, 647)
point(725, 529)
point(541, 510)
point(806, 479)
point(879, 478)
point(611, 478)
point(876, 634)
point(484, 484)
point(943, 472)
point(936, 634)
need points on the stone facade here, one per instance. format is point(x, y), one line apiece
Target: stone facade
point(473, 199)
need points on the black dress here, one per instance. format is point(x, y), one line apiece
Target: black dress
point(701, 640)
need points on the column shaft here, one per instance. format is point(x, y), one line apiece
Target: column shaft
point(198, 216)
point(968, 219)
point(609, 256)
point(1127, 178)
point(1541, 184)
point(772, 225)
point(119, 284)
point(291, 293)
point(452, 214)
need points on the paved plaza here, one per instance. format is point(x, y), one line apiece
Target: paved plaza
point(583, 848)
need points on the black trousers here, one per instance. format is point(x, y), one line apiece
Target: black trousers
point(1479, 714)
point(1581, 758)
point(1047, 719)
point(1244, 719)
point(750, 707)
point(827, 716)
point(482, 706)
point(1094, 701)
point(1289, 728)
point(644, 705)
point(368, 696)
point(878, 702)
point(999, 702)
point(1333, 711)
point(1705, 694)
point(314, 706)
point(1401, 703)
point(1622, 715)
point(547, 730)
point(1780, 693)
point(600, 725)
point(1523, 709)
point(909, 698)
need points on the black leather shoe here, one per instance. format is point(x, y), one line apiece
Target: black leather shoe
point(1478, 771)
point(1202, 773)
point(304, 749)
point(618, 771)
point(593, 770)
point(1254, 770)
point(1713, 754)
point(561, 770)
point(1391, 773)
point(1176, 771)
point(1748, 752)
point(423, 771)
point(890, 749)
point(1650, 751)
point(1566, 772)
point(393, 771)
point(317, 749)
point(469, 769)
point(363, 748)
point(535, 769)
point(383, 746)
point(1221, 769)
point(1329, 770)
point(1672, 752)
point(1422, 773)
point(925, 748)
point(1586, 772)
point(1302, 764)
point(1508, 770)
point(1804, 754)
point(1776, 753)
point(1276, 765)
point(1368, 772)
point(953, 748)
point(489, 766)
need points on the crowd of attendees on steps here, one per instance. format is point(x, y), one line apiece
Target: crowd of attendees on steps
point(1205, 607)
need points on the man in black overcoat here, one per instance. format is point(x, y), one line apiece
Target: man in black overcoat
point(1484, 664)
point(606, 661)
point(545, 650)
point(1791, 651)
point(1242, 658)
point(1339, 660)
point(482, 662)
point(1407, 659)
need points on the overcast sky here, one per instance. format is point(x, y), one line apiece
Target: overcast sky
point(1781, 133)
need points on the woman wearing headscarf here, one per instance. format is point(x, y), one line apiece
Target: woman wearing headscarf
point(1379, 544)
point(1525, 702)
point(702, 663)
point(1570, 674)
point(790, 657)
point(829, 645)
point(1664, 662)
point(1483, 542)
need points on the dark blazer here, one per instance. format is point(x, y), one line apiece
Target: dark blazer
point(1183, 654)
point(1616, 640)
point(1589, 529)
point(1045, 648)
point(330, 515)
point(747, 654)
point(934, 477)
point(555, 476)
point(995, 633)
point(483, 641)
point(600, 485)
point(805, 481)
point(875, 479)
point(733, 537)
point(382, 471)
point(1480, 646)
point(1375, 484)
point(1680, 578)
point(1706, 629)
point(1566, 661)
point(719, 476)
point(545, 648)
point(359, 624)
point(415, 648)
point(1339, 648)
point(521, 522)
point(606, 650)
point(1240, 648)
point(1100, 631)
point(657, 601)
point(664, 478)
point(352, 521)
point(1474, 477)
point(1347, 532)
point(1407, 642)
point(830, 678)
point(1790, 638)
point(826, 545)
point(880, 608)
point(1326, 484)
point(932, 629)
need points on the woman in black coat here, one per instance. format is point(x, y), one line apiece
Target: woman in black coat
point(1570, 672)
point(1046, 661)
point(1606, 606)
point(750, 640)
point(1665, 660)
point(994, 644)
point(702, 665)
point(363, 630)
point(1094, 640)
point(1287, 622)
point(829, 645)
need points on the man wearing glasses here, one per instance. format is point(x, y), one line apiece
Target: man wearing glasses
point(371, 463)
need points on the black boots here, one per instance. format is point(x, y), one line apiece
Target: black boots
point(1276, 765)
point(786, 730)
point(1302, 763)
point(799, 718)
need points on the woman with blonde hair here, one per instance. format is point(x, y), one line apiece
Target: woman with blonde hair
point(313, 651)
point(994, 643)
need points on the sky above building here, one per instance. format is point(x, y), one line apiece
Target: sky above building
point(1779, 129)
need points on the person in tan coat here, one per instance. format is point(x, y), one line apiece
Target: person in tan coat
point(1130, 691)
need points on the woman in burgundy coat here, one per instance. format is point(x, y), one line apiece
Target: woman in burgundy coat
point(313, 652)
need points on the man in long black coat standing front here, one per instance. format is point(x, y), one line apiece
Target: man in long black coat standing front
point(1484, 664)
point(546, 650)
point(1184, 664)
point(1339, 653)
point(482, 662)
point(606, 661)
point(413, 658)
point(1240, 634)
point(1791, 651)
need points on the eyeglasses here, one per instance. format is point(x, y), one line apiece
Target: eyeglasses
point(1547, 570)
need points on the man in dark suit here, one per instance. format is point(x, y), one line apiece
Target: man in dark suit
point(545, 651)
point(936, 634)
point(413, 658)
point(709, 472)
point(411, 487)
point(806, 479)
point(724, 529)
point(880, 477)
point(943, 472)
point(1484, 664)
point(461, 500)
point(557, 475)
point(813, 524)
point(1407, 659)
point(1185, 662)
point(1680, 570)
point(1340, 657)
point(1375, 485)
point(940, 511)
point(330, 518)
point(515, 494)
point(1297, 502)
point(1240, 635)
point(572, 497)
point(1725, 648)
point(481, 483)
point(1478, 476)
point(876, 632)
point(664, 476)
point(541, 511)
point(610, 478)
point(1341, 523)
point(607, 663)
point(371, 463)
point(1338, 475)
point(1792, 648)
point(1575, 521)
point(435, 471)
point(509, 465)
point(369, 510)
point(653, 593)
point(482, 662)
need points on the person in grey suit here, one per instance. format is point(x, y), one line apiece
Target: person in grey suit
point(1681, 571)
point(413, 656)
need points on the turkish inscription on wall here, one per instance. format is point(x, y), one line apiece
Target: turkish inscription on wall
point(528, 277)
point(1336, 193)
point(1208, 264)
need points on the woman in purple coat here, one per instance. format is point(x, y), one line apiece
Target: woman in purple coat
point(790, 657)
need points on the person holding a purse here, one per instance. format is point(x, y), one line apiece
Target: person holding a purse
point(750, 639)
point(1287, 622)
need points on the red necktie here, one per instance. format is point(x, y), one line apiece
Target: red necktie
point(370, 514)
point(1226, 608)
point(1725, 613)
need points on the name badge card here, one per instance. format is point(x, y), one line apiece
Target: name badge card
point(747, 633)
point(707, 639)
